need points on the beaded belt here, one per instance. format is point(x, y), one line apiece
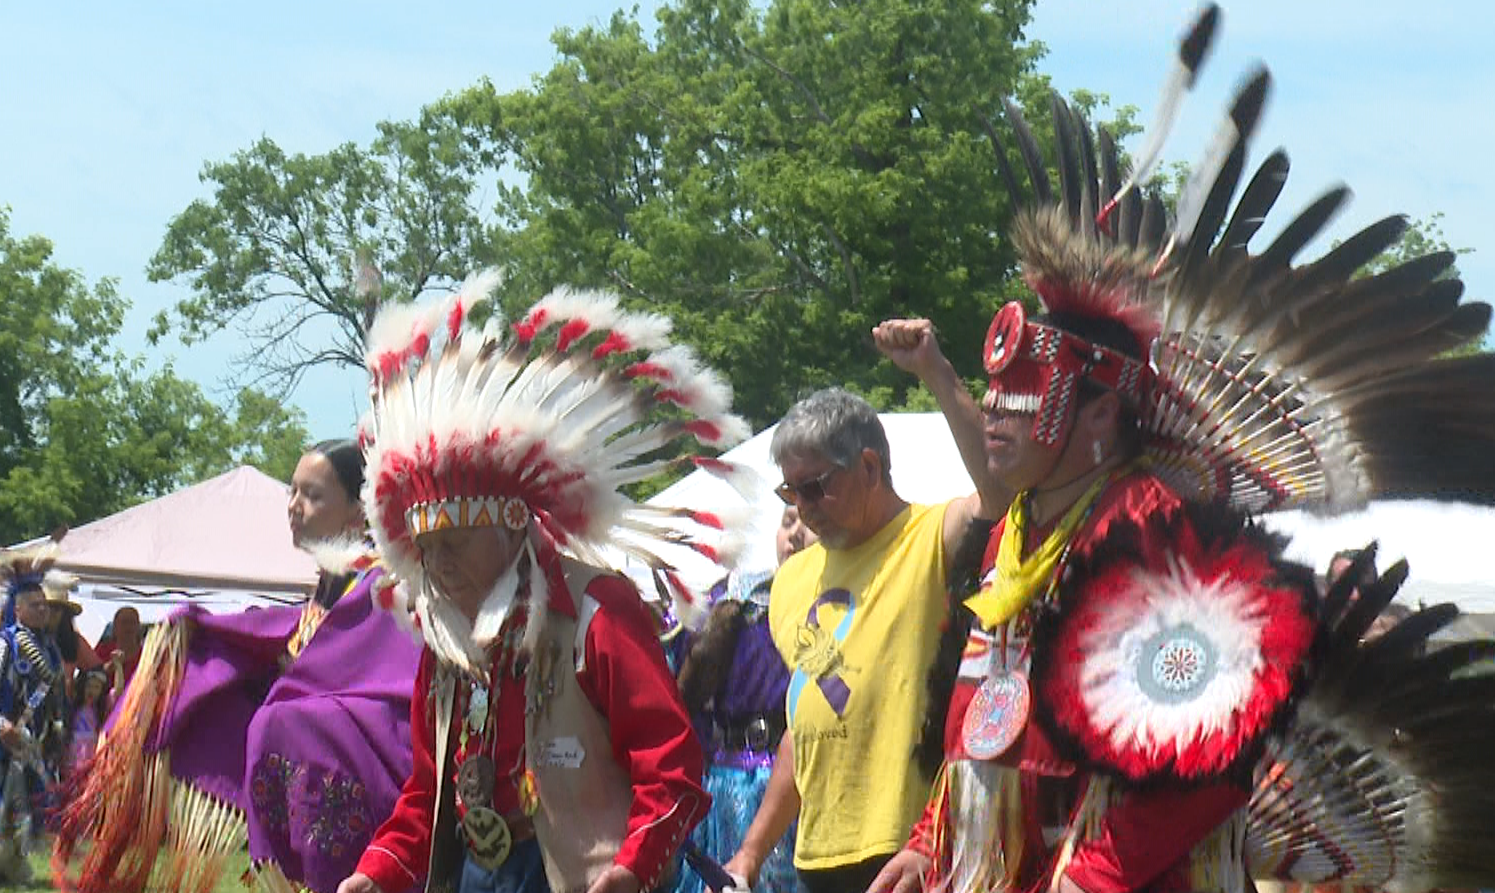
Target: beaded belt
point(760, 732)
point(742, 759)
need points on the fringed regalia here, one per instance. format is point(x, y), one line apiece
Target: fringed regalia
point(31, 701)
point(283, 728)
point(1151, 697)
point(31, 696)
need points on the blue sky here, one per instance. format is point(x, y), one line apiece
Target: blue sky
point(109, 113)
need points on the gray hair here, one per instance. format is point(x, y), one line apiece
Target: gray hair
point(835, 425)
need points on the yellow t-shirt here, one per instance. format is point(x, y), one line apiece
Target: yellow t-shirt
point(859, 628)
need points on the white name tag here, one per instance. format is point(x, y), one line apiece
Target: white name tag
point(565, 753)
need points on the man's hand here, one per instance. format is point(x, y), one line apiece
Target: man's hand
point(11, 736)
point(910, 344)
point(744, 866)
point(616, 879)
point(904, 873)
point(359, 883)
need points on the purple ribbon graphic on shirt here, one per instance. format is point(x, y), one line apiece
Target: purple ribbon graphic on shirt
point(835, 689)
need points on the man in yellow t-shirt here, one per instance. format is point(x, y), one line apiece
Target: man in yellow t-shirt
point(857, 618)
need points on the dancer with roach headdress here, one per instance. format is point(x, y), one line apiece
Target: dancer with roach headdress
point(1151, 696)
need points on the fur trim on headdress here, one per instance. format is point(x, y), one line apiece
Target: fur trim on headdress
point(1074, 273)
point(28, 565)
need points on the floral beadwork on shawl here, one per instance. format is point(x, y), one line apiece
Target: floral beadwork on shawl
point(273, 777)
point(331, 809)
point(342, 821)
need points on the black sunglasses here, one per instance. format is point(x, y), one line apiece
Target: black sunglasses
point(812, 490)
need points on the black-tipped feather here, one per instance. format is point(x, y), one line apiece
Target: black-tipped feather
point(1386, 762)
point(1201, 36)
point(1369, 304)
point(1065, 147)
point(1014, 191)
point(1213, 213)
point(1038, 174)
point(1300, 232)
point(1299, 385)
point(1352, 254)
point(1230, 139)
point(1089, 174)
point(1154, 221)
point(1110, 163)
point(1258, 198)
point(1342, 589)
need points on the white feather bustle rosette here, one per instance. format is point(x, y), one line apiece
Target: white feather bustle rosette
point(1177, 672)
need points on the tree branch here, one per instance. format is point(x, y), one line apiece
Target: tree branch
point(852, 280)
point(794, 81)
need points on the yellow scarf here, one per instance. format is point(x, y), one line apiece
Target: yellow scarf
point(1017, 580)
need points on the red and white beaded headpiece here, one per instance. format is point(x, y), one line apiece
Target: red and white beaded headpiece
point(1036, 368)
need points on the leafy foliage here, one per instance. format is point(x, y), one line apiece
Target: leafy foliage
point(776, 180)
point(280, 248)
point(85, 431)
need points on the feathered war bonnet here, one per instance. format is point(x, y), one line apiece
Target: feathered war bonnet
point(534, 427)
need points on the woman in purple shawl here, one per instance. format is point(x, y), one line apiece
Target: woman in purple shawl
point(288, 727)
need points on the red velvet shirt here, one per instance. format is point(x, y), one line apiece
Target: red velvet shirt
point(1144, 839)
point(625, 677)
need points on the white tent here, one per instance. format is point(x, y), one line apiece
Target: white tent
point(1443, 542)
point(223, 544)
point(926, 469)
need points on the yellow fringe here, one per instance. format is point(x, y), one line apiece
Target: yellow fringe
point(1216, 863)
point(202, 833)
point(986, 808)
point(135, 826)
point(168, 837)
point(940, 835)
point(1219, 862)
point(266, 877)
point(1084, 825)
point(117, 822)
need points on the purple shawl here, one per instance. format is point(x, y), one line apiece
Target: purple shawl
point(314, 756)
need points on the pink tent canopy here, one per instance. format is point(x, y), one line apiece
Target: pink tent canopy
point(226, 532)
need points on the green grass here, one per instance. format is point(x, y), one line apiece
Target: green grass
point(42, 872)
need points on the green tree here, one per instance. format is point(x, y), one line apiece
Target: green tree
point(1422, 237)
point(777, 180)
point(297, 251)
point(85, 431)
point(264, 434)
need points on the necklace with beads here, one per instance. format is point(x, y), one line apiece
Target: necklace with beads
point(488, 835)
